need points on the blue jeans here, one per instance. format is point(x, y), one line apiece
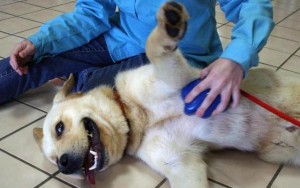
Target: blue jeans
point(91, 64)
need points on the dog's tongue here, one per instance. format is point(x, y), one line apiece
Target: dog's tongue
point(89, 174)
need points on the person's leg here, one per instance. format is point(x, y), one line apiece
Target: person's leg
point(92, 54)
point(95, 76)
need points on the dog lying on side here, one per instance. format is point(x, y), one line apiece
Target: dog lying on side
point(144, 117)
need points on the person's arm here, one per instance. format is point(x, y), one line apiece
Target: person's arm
point(253, 25)
point(89, 19)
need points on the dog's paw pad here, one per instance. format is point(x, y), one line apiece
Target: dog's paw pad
point(174, 18)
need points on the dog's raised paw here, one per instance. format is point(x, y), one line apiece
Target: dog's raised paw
point(174, 17)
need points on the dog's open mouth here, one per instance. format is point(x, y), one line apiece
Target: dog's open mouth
point(95, 156)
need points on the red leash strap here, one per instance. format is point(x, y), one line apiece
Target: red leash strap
point(270, 108)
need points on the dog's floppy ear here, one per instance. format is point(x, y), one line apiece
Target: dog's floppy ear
point(65, 90)
point(38, 135)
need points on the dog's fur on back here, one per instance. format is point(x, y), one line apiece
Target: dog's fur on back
point(144, 116)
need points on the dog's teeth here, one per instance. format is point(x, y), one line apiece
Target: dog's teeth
point(93, 153)
point(90, 135)
point(94, 166)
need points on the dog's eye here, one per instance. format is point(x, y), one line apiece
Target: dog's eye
point(59, 128)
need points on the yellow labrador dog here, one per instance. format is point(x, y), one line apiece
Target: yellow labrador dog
point(144, 117)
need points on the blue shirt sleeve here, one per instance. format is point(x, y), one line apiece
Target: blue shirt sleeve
point(253, 25)
point(89, 19)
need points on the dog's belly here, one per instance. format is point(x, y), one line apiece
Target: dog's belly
point(186, 131)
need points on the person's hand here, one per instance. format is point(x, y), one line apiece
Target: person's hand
point(222, 77)
point(20, 56)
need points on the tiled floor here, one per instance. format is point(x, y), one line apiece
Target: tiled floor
point(22, 164)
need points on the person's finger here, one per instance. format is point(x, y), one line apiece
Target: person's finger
point(13, 62)
point(207, 102)
point(19, 71)
point(225, 100)
point(236, 96)
point(196, 91)
point(204, 72)
point(26, 52)
point(23, 69)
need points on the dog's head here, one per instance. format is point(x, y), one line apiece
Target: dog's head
point(83, 132)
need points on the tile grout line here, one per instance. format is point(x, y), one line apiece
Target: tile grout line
point(25, 126)
point(275, 176)
point(43, 8)
point(31, 106)
point(161, 183)
point(288, 16)
point(65, 182)
point(219, 183)
point(12, 3)
point(284, 62)
point(27, 163)
point(53, 176)
point(48, 7)
point(47, 179)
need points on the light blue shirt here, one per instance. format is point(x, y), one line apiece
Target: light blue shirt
point(126, 31)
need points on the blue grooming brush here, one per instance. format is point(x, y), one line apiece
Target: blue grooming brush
point(191, 107)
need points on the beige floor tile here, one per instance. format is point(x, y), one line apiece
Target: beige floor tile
point(23, 145)
point(26, 34)
point(16, 25)
point(290, 24)
point(289, 74)
point(230, 24)
point(295, 16)
point(4, 16)
point(282, 45)
point(129, 173)
point(288, 177)
point(286, 33)
point(272, 57)
point(7, 44)
point(298, 53)
point(14, 115)
point(2, 35)
point(19, 8)
point(47, 3)
point(4, 2)
point(218, 9)
point(284, 5)
point(279, 14)
point(293, 64)
point(220, 17)
point(54, 184)
point(41, 97)
point(261, 65)
point(224, 41)
point(14, 173)
point(225, 31)
point(65, 8)
point(238, 169)
point(42, 16)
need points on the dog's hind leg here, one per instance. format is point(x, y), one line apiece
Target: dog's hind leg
point(178, 159)
point(282, 146)
point(170, 65)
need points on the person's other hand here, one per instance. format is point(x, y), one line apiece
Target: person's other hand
point(222, 77)
point(20, 56)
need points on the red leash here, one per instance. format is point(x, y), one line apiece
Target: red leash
point(270, 108)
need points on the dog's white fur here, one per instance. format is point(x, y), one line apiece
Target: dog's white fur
point(160, 133)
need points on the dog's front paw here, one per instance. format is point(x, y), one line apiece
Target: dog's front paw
point(173, 18)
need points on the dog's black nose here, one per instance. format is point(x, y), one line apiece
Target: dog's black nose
point(68, 164)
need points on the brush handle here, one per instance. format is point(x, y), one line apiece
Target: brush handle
point(191, 107)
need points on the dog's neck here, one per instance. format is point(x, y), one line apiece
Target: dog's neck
point(120, 103)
